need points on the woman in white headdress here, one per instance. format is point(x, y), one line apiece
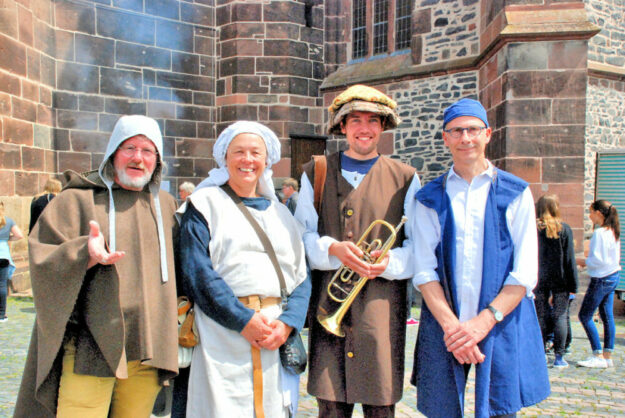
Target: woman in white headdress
point(226, 271)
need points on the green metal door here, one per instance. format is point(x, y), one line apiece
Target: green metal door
point(610, 185)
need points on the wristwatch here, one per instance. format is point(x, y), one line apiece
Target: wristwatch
point(498, 315)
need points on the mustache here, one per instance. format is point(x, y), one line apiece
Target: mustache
point(138, 166)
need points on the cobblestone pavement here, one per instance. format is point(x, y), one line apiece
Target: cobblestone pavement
point(574, 390)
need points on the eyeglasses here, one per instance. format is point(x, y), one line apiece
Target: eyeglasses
point(131, 150)
point(472, 131)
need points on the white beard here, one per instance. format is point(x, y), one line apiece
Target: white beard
point(133, 182)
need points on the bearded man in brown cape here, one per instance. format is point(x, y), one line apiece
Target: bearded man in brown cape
point(103, 280)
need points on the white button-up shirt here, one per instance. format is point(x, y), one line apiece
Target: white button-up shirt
point(468, 202)
point(400, 265)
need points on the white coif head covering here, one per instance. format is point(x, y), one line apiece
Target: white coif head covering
point(220, 175)
point(127, 127)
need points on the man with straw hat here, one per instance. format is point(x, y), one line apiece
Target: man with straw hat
point(359, 186)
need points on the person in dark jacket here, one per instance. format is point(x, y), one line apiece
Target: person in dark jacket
point(39, 202)
point(557, 273)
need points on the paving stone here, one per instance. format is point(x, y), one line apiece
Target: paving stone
point(575, 390)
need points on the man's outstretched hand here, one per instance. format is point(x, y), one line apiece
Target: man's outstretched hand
point(98, 253)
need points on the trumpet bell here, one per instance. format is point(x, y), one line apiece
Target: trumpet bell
point(331, 324)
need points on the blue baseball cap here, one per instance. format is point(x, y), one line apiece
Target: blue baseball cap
point(465, 107)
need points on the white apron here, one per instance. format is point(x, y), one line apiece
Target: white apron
point(220, 383)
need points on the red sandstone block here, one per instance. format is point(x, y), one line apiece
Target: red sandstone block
point(197, 14)
point(241, 47)
point(26, 184)
point(32, 159)
point(17, 131)
point(528, 112)
point(83, 141)
point(241, 30)
point(570, 194)
point(545, 141)
point(558, 84)
point(569, 111)
point(222, 15)
point(25, 17)
point(23, 109)
point(33, 64)
point(568, 54)
point(316, 116)
point(7, 183)
point(488, 73)
point(284, 30)
point(77, 161)
point(282, 168)
point(9, 83)
point(75, 16)
point(238, 112)
point(8, 17)
point(526, 168)
point(194, 148)
point(30, 91)
point(50, 162)
point(279, 128)
point(45, 115)
point(247, 12)
point(201, 166)
point(13, 56)
point(42, 10)
point(10, 157)
point(231, 99)
point(563, 169)
point(5, 104)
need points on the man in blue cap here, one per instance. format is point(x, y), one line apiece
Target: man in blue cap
point(476, 265)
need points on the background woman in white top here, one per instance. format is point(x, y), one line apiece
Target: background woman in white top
point(603, 267)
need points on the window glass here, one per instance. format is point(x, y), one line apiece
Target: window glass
point(359, 29)
point(403, 33)
point(380, 26)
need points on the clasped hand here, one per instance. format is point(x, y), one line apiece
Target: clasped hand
point(98, 252)
point(462, 340)
point(262, 333)
point(351, 256)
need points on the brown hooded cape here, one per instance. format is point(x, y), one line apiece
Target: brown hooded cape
point(125, 312)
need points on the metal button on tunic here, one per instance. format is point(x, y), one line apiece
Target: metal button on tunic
point(350, 354)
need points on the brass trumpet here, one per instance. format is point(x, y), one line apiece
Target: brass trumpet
point(349, 287)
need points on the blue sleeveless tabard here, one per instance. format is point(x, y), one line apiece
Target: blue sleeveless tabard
point(514, 373)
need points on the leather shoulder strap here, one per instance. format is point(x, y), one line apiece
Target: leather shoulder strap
point(264, 239)
point(321, 169)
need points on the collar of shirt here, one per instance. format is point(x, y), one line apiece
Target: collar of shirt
point(468, 201)
point(490, 172)
point(355, 170)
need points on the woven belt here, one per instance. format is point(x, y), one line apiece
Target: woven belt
point(257, 303)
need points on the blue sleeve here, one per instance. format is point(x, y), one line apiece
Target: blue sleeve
point(201, 282)
point(294, 315)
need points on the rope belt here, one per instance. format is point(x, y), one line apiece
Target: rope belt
point(257, 303)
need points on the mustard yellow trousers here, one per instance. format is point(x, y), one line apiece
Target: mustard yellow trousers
point(83, 396)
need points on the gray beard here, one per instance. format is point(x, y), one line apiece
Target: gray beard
point(135, 183)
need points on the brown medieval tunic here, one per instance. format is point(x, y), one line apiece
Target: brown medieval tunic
point(367, 366)
point(115, 313)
